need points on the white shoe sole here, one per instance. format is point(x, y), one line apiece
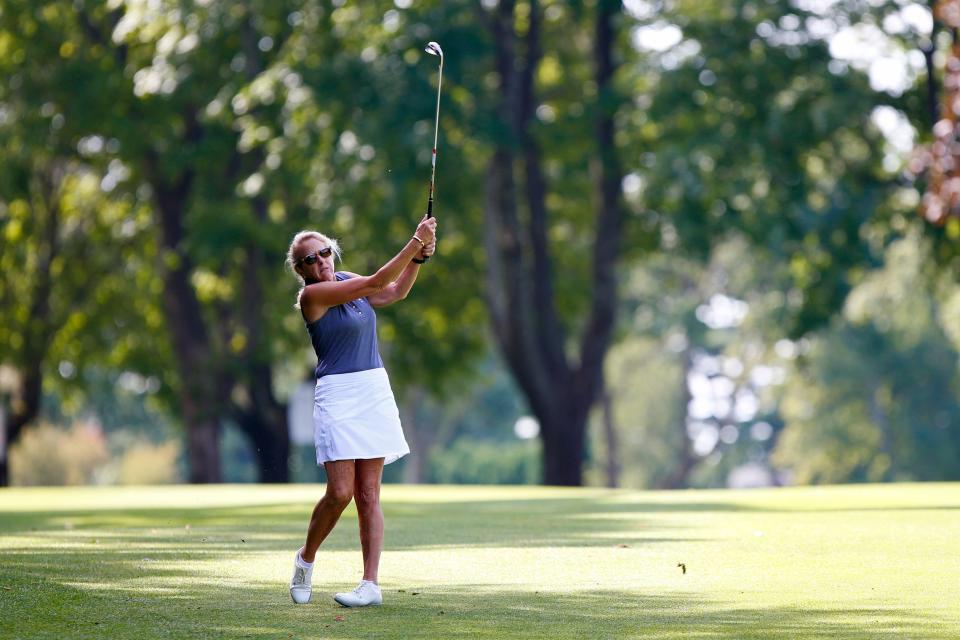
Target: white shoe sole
point(350, 605)
point(293, 597)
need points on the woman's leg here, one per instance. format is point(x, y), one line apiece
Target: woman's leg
point(366, 493)
point(340, 483)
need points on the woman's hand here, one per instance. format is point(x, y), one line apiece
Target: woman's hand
point(427, 250)
point(427, 230)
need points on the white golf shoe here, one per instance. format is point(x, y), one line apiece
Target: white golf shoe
point(300, 589)
point(366, 594)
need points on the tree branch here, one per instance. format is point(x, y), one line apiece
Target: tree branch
point(606, 248)
point(516, 325)
point(549, 332)
point(96, 35)
point(45, 194)
point(933, 106)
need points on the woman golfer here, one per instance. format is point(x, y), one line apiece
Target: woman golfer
point(356, 422)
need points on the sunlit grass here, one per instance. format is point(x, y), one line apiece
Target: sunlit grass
point(487, 562)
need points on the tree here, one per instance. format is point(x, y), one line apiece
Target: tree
point(941, 199)
point(72, 257)
point(211, 113)
point(877, 400)
point(129, 93)
point(755, 135)
point(521, 271)
point(32, 234)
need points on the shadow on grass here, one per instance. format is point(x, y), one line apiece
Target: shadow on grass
point(554, 522)
point(411, 525)
point(127, 574)
point(59, 610)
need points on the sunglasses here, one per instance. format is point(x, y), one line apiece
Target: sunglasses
point(313, 258)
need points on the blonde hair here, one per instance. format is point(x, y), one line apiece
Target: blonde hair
point(297, 239)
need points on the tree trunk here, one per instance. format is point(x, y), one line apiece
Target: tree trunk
point(563, 448)
point(25, 410)
point(203, 450)
point(271, 445)
point(200, 389)
point(264, 421)
point(415, 469)
point(879, 417)
point(612, 466)
point(679, 476)
point(25, 405)
point(520, 278)
point(4, 465)
point(928, 49)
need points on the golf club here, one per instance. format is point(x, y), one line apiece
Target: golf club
point(434, 49)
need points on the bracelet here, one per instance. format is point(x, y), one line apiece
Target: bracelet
point(419, 261)
point(417, 238)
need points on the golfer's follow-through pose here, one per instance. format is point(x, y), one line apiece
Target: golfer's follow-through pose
point(356, 422)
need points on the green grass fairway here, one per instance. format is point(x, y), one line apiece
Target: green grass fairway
point(487, 562)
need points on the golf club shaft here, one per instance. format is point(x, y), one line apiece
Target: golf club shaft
point(436, 135)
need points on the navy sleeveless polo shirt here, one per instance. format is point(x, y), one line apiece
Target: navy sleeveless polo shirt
point(345, 337)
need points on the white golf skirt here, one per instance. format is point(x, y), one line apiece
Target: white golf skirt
point(355, 417)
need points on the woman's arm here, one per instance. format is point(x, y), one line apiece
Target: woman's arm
point(400, 287)
point(332, 293)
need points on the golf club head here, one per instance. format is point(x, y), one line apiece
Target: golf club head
point(434, 49)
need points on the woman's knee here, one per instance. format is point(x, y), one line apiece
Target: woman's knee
point(339, 494)
point(367, 495)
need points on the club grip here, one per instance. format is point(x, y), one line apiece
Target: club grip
point(429, 215)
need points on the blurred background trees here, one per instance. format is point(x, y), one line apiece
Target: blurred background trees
point(679, 243)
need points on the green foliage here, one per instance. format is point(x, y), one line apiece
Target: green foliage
point(237, 456)
point(75, 249)
point(97, 253)
point(645, 382)
point(147, 463)
point(471, 461)
point(127, 405)
point(483, 411)
point(673, 345)
point(754, 135)
point(47, 455)
point(85, 453)
point(876, 398)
